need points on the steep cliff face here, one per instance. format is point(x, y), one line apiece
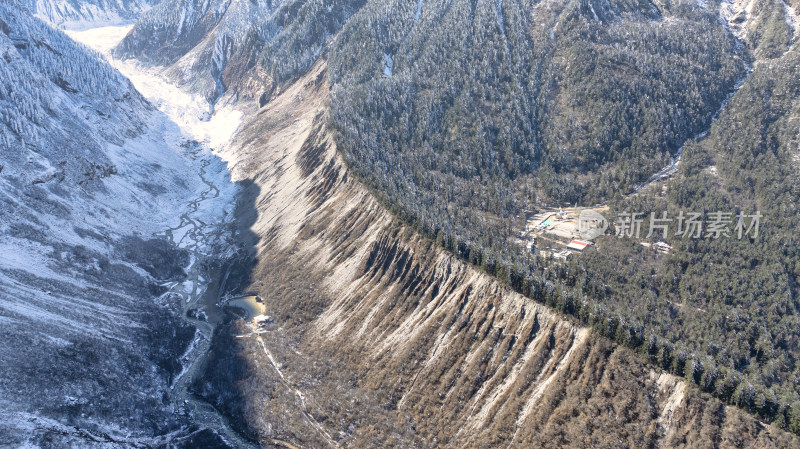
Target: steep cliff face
point(197, 39)
point(382, 338)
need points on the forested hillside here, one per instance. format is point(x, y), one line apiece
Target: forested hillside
point(551, 103)
point(463, 114)
point(727, 308)
point(460, 115)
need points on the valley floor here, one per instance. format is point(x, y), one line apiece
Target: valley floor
point(190, 112)
point(201, 227)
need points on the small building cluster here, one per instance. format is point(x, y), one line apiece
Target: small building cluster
point(662, 247)
point(558, 233)
point(579, 245)
point(556, 226)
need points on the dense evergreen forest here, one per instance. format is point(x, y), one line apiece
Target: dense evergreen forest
point(460, 115)
point(464, 114)
point(726, 309)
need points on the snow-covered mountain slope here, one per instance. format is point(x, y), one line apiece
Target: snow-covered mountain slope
point(90, 175)
point(198, 36)
point(239, 49)
point(80, 14)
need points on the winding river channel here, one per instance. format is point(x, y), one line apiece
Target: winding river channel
point(194, 237)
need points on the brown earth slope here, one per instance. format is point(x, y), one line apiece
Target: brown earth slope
point(383, 339)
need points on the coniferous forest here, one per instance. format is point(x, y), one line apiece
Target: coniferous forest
point(462, 115)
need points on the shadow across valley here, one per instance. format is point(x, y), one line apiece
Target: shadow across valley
point(226, 362)
point(239, 270)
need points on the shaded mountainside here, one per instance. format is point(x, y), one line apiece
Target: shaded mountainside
point(88, 172)
point(381, 338)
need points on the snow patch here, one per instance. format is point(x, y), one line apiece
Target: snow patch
point(793, 20)
point(732, 12)
point(388, 65)
point(190, 112)
point(500, 17)
point(594, 14)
